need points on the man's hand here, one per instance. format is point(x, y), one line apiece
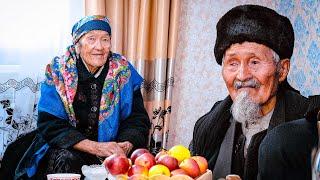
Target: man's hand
point(126, 146)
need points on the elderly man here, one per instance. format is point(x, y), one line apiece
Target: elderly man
point(90, 106)
point(254, 45)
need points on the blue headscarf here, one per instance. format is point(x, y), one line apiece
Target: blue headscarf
point(89, 23)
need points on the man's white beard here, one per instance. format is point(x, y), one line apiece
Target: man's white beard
point(244, 110)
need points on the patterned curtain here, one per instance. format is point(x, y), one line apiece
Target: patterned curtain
point(145, 31)
point(18, 108)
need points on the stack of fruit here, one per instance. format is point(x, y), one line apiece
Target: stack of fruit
point(177, 161)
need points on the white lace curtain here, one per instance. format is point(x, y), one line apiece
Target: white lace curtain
point(32, 33)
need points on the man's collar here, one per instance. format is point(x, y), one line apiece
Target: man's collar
point(289, 106)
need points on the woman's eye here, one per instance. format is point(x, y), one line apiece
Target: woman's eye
point(91, 38)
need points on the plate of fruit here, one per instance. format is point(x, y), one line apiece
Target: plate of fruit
point(175, 163)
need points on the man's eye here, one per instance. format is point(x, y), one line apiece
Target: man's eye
point(255, 62)
point(233, 63)
point(91, 39)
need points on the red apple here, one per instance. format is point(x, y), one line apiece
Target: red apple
point(169, 161)
point(161, 153)
point(136, 153)
point(191, 167)
point(178, 171)
point(137, 169)
point(146, 160)
point(117, 164)
point(138, 177)
point(202, 162)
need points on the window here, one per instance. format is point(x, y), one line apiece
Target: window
point(34, 31)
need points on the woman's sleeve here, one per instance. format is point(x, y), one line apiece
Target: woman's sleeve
point(135, 128)
point(58, 132)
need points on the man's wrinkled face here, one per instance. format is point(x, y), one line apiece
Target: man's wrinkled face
point(251, 67)
point(94, 48)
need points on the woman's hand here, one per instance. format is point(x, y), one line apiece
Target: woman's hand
point(105, 149)
point(126, 146)
point(101, 149)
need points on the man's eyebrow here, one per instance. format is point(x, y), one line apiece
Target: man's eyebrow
point(234, 54)
point(230, 54)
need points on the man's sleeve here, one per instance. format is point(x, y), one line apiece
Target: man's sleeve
point(285, 152)
point(58, 132)
point(135, 128)
point(197, 141)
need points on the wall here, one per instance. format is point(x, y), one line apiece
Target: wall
point(198, 82)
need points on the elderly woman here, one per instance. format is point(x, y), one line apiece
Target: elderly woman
point(90, 106)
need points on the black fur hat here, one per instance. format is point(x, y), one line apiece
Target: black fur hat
point(254, 23)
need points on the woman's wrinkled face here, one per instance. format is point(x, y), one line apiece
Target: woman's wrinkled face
point(94, 48)
point(251, 67)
